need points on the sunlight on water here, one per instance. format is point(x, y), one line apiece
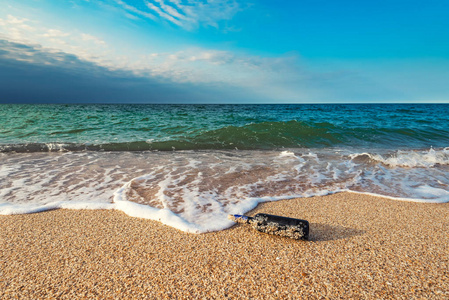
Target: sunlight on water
point(227, 158)
point(195, 190)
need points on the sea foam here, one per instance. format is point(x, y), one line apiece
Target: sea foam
point(194, 191)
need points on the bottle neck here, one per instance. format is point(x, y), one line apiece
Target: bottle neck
point(240, 219)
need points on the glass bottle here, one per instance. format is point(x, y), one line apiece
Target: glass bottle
point(277, 225)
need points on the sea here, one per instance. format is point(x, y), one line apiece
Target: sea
point(189, 166)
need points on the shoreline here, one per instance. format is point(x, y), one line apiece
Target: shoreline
point(361, 246)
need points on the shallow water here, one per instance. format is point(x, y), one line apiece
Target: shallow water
point(196, 190)
point(233, 157)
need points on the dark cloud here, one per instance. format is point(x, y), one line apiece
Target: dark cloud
point(29, 74)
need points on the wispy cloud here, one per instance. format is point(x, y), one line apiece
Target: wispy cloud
point(96, 40)
point(35, 75)
point(30, 32)
point(164, 14)
point(281, 77)
point(16, 28)
point(131, 10)
point(54, 33)
point(190, 65)
point(187, 14)
point(36, 55)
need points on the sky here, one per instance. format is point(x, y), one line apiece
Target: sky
point(224, 51)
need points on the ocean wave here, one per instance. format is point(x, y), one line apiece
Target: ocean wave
point(195, 190)
point(253, 136)
point(410, 158)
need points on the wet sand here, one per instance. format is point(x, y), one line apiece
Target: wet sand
point(361, 247)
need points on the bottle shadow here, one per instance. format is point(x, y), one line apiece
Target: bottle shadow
point(325, 232)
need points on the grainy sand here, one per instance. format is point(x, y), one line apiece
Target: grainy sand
point(361, 247)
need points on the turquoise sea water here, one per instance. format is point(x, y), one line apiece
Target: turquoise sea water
point(190, 165)
point(188, 127)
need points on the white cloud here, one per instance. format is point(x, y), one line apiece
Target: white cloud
point(188, 14)
point(29, 32)
point(172, 10)
point(88, 37)
point(194, 65)
point(131, 10)
point(190, 65)
point(13, 20)
point(161, 13)
point(17, 28)
point(54, 33)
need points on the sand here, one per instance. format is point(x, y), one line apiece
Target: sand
point(361, 247)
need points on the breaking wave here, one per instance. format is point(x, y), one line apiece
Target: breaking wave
point(255, 136)
point(195, 190)
point(410, 158)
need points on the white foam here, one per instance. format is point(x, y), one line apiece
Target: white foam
point(287, 154)
point(167, 217)
point(56, 147)
point(17, 209)
point(195, 191)
point(419, 200)
point(411, 159)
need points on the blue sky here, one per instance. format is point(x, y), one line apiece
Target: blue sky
point(224, 51)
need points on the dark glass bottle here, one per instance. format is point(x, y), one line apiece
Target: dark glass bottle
point(277, 225)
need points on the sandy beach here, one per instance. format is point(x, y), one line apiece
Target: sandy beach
point(361, 247)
